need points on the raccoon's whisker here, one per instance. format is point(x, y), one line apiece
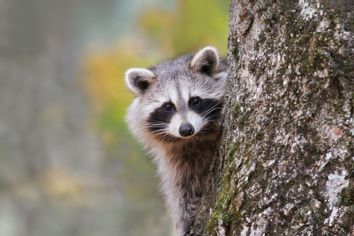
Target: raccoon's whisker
point(209, 111)
point(155, 124)
point(156, 127)
point(211, 106)
point(208, 119)
point(147, 128)
point(165, 137)
point(214, 108)
point(159, 132)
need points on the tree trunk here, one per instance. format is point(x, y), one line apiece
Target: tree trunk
point(287, 154)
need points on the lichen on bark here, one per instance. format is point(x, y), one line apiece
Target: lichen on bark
point(287, 157)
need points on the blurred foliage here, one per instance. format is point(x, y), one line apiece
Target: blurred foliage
point(68, 165)
point(193, 25)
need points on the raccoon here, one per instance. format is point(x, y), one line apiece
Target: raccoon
point(176, 115)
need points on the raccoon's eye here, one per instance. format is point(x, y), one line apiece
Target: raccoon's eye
point(194, 101)
point(168, 106)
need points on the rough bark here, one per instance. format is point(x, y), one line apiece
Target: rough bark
point(286, 159)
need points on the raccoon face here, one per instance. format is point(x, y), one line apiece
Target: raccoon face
point(178, 99)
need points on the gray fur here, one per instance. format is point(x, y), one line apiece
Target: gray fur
point(182, 163)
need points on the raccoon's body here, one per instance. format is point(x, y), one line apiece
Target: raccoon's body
point(176, 114)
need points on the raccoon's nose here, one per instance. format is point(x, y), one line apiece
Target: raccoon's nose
point(186, 129)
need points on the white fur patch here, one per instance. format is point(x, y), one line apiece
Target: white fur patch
point(175, 123)
point(185, 92)
point(196, 120)
point(173, 95)
point(193, 118)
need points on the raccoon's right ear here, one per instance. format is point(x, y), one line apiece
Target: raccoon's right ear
point(139, 79)
point(206, 60)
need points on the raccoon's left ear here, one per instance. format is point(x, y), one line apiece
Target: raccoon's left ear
point(139, 79)
point(206, 60)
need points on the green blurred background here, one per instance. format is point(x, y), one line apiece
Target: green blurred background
point(68, 165)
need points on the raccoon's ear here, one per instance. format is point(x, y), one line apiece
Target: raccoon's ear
point(206, 60)
point(139, 79)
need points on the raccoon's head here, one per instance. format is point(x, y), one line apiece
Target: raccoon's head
point(178, 99)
